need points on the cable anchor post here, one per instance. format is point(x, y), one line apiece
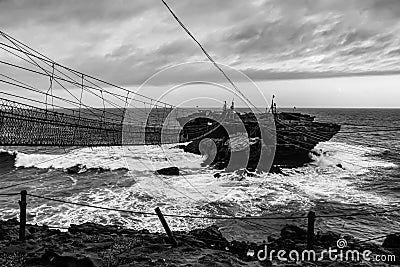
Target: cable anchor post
point(22, 215)
point(310, 230)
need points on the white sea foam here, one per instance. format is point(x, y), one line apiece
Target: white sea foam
point(352, 157)
point(108, 158)
point(192, 192)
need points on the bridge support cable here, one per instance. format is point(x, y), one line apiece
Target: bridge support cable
point(64, 120)
point(208, 55)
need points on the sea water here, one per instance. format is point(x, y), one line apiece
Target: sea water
point(356, 171)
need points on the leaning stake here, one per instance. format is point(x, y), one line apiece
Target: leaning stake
point(166, 227)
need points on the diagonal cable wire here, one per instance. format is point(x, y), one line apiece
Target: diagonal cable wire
point(207, 55)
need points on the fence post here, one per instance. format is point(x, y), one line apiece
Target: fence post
point(22, 215)
point(166, 227)
point(310, 230)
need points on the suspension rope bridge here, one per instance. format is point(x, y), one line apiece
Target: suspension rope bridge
point(65, 119)
point(44, 103)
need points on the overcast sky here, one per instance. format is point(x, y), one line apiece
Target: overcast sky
point(271, 41)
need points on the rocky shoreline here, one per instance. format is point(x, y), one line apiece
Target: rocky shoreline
point(91, 244)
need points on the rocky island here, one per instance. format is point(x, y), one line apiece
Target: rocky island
point(266, 139)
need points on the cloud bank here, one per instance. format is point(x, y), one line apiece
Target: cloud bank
point(127, 41)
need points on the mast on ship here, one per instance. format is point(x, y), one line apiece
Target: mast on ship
point(224, 108)
point(228, 113)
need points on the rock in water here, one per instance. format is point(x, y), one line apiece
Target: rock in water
point(7, 161)
point(232, 154)
point(276, 170)
point(168, 171)
point(78, 168)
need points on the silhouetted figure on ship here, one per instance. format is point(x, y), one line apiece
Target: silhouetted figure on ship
point(224, 108)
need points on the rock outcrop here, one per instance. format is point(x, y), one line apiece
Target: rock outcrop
point(233, 154)
point(92, 245)
point(392, 241)
point(168, 171)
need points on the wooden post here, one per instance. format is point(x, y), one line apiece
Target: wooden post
point(166, 227)
point(22, 215)
point(310, 230)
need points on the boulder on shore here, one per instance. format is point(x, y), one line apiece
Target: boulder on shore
point(91, 244)
point(168, 171)
point(392, 241)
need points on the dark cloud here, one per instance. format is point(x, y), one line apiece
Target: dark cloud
point(386, 8)
point(128, 41)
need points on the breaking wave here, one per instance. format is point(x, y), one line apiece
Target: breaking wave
point(334, 175)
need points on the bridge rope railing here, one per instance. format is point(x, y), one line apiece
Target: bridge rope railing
point(15, 113)
point(53, 117)
point(49, 74)
point(76, 102)
point(21, 118)
point(32, 112)
point(32, 89)
point(310, 217)
point(115, 118)
point(63, 78)
point(34, 53)
point(70, 80)
point(58, 108)
point(79, 84)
